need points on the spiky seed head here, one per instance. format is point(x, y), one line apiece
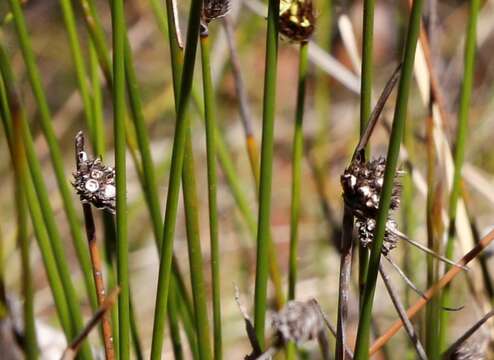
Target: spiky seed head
point(366, 228)
point(297, 19)
point(214, 9)
point(94, 182)
point(298, 321)
point(473, 349)
point(362, 184)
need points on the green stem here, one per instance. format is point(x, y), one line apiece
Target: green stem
point(459, 153)
point(194, 249)
point(263, 230)
point(54, 238)
point(79, 64)
point(30, 345)
point(118, 40)
point(210, 114)
point(365, 109)
point(182, 125)
point(362, 345)
point(297, 153)
point(34, 208)
point(55, 152)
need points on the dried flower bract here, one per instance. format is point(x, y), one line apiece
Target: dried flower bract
point(94, 182)
point(214, 9)
point(297, 19)
point(366, 228)
point(362, 185)
point(298, 321)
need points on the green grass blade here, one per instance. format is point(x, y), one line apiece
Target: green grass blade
point(194, 248)
point(34, 209)
point(14, 139)
point(118, 41)
point(365, 108)
point(47, 214)
point(362, 345)
point(297, 153)
point(263, 230)
point(210, 112)
point(80, 67)
point(55, 152)
point(459, 152)
point(174, 181)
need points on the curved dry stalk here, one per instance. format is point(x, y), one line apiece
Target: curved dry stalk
point(402, 314)
point(343, 291)
point(95, 258)
point(448, 354)
point(371, 123)
point(71, 351)
point(426, 249)
point(432, 291)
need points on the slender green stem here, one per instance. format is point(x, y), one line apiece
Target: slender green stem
point(365, 109)
point(433, 308)
point(297, 152)
point(97, 104)
point(43, 198)
point(79, 64)
point(174, 181)
point(118, 40)
point(362, 345)
point(173, 324)
point(210, 112)
point(194, 248)
point(146, 174)
point(263, 230)
point(459, 153)
point(55, 152)
point(35, 210)
point(30, 345)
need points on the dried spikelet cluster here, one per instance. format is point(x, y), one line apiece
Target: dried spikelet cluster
point(366, 228)
point(298, 321)
point(471, 350)
point(214, 9)
point(297, 19)
point(93, 181)
point(362, 186)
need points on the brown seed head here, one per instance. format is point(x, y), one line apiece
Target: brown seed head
point(214, 9)
point(298, 321)
point(297, 19)
point(94, 182)
point(362, 185)
point(366, 229)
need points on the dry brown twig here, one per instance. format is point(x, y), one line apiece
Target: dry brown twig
point(93, 248)
point(432, 291)
point(71, 351)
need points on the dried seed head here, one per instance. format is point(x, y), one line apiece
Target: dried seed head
point(93, 181)
point(214, 9)
point(362, 185)
point(366, 229)
point(298, 321)
point(471, 350)
point(297, 19)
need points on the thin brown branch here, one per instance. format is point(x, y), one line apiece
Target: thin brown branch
point(71, 351)
point(376, 112)
point(95, 259)
point(343, 293)
point(432, 291)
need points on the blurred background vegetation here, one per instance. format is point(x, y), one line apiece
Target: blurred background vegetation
point(331, 131)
